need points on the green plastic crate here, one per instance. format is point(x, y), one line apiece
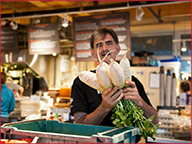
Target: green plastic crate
point(54, 131)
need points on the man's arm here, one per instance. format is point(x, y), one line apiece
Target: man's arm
point(131, 93)
point(109, 100)
point(149, 111)
point(21, 90)
point(95, 118)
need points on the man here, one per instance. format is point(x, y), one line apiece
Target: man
point(18, 89)
point(89, 106)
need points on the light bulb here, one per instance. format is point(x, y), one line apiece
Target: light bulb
point(65, 21)
point(184, 47)
point(65, 24)
point(54, 54)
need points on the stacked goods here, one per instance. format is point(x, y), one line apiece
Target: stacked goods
point(182, 127)
point(125, 113)
point(166, 120)
point(53, 93)
point(29, 108)
point(168, 89)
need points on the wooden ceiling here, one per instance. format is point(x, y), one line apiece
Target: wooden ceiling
point(24, 11)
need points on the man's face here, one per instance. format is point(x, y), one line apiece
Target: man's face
point(104, 46)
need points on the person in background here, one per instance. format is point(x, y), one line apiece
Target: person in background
point(7, 100)
point(18, 89)
point(88, 106)
point(185, 87)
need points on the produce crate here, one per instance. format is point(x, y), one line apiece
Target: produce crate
point(50, 131)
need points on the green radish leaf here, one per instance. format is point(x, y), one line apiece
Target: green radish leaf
point(126, 113)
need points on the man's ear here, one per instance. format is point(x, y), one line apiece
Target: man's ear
point(93, 53)
point(118, 48)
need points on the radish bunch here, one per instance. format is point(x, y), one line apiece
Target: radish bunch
point(125, 113)
point(106, 75)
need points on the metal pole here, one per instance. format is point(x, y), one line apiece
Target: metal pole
point(55, 71)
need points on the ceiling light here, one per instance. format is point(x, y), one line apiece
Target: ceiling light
point(14, 24)
point(54, 54)
point(65, 21)
point(3, 23)
point(184, 47)
point(139, 14)
point(36, 21)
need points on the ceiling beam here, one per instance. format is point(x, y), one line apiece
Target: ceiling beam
point(158, 17)
point(16, 9)
point(77, 10)
point(39, 4)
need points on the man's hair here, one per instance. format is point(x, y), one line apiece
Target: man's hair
point(3, 77)
point(185, 86)
point(102, 32)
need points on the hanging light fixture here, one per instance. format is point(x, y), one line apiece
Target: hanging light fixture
point(183, 47)
point(139, 14)
point(14, 24)
point(54, 54)
point(3, 23)
point(65, 21)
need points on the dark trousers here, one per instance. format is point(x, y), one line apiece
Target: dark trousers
point(4, 120)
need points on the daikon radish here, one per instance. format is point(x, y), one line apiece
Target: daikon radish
point(90, 79)
point(107, 68)
point(125, 65)
point(116, 74)
point(102, 73)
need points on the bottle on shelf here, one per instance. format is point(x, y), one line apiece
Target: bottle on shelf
point(51, 116)
point(56, 116)
point(59, 118)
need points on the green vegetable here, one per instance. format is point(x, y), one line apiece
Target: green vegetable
point(126, 113)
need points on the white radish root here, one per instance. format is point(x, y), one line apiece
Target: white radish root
point(116, 74)
point(125, 65)
point(90, 79)
point(102, 73)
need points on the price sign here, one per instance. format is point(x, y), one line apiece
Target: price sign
point(84, 26)
point(43, 39)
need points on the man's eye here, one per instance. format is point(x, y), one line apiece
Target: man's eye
point(99, 45)
point(109, 43)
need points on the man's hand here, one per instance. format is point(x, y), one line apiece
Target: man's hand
point(131, 93)
point(110, 97)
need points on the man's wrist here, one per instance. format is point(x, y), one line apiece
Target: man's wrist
point(103, 108)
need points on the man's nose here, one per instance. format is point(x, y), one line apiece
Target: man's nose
point(105, 46)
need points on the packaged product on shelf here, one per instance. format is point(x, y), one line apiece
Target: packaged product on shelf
point(182, 127)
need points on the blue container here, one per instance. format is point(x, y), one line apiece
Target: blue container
point(50, 131)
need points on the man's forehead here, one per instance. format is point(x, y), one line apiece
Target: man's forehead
point(108, 37)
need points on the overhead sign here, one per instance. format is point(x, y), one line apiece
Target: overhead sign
point(8, 38)
point(84, 26)
point(43, 39)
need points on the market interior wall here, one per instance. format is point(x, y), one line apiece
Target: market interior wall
point(45, 67)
